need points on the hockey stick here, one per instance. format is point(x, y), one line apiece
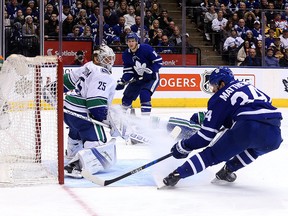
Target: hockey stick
point(94, 179)
point(86, 118)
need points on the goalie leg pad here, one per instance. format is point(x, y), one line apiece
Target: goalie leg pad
point(98, 159)
point(73, 146)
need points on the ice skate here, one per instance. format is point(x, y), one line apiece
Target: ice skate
point(172, 179)
point(224, 175)
point(73, 170)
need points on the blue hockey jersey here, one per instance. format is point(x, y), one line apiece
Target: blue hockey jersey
point(236, 101)
point(144, 57)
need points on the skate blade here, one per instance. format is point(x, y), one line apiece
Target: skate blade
point(73, 175)
point(220, 182)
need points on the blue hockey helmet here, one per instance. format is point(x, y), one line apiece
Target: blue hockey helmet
point(132, 35)
point(221, 74)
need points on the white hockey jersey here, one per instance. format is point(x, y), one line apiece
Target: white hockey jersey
point(93, 87)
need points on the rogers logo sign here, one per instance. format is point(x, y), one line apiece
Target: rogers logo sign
point(179, 82)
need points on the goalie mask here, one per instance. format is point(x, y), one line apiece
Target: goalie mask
point(105, 56)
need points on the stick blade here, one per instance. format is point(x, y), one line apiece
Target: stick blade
point(175, 132)
point(94, 179)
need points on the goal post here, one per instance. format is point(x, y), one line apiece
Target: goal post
point(31, 121)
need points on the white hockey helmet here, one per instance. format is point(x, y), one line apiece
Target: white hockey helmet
point(105, 56)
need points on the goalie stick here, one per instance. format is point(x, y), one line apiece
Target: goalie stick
point(94, 179)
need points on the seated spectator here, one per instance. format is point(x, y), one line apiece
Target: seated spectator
point(86, 34)
point(122, 9)
point(68, 25)
point(284, 39)
point(15, 45)
point(110, 18)
point(277, 48)
point(156, 38)
point(54, 34)
point(270, 60)
point(12, 7)
point(165, 46)
point(252, 59)
point(116, 45)
point(34, 10)
point(20, 17)
point(283, 62)
point(75, 34)
point(49, 9)
point(130, 16)
point(95, 15)
point(89, 7)
point(155, 9)
point(280, 22)
point(170, 29)
point(79, 58)
point(118, 29)
point(66, 11)
point(257, 32)
point(231, 46)
point(137, 26)
point(259, 49)
point(148, 19)
point(208, 17)
point(226, 11)
point(50, 26)
point(250, 38)
point(249, 18)
point(270, 39)
point(153, 31)
point(164, 19)
point(82, 17)
point(218, 26)
point(241, 28)
point(127, 30)
point(243, 52)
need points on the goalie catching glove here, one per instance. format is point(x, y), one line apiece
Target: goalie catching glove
point(179, 150)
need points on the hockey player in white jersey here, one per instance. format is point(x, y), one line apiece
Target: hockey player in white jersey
point(93, 90)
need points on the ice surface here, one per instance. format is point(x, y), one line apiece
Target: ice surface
point(260, 189)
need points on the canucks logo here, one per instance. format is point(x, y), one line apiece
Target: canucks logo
point(285, 82)
point(205, 82)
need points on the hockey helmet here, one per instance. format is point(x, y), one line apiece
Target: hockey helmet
point(105, 56)
point(221, 74)
point(132, 35)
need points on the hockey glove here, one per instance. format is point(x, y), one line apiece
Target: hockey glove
point(179, 150)
point(120, 84)
point(198, 118)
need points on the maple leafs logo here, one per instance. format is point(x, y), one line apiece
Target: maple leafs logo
point(140, 68)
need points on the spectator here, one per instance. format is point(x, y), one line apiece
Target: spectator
point(249, 18)
point(257, 32)
point(153, 31)
point(148, 19)
point(116, 45)
point(29, 28)
point(243, 52)
point(127, 30)
point(277, 48)
point(112, 7)
point(283, 62)
point(76, 8)
point(80, 18)
point(257, 13)
point(218, 26)
point(270, 39)
point(208, 17)
point(54, 34)
point(227, 30)
point(95, 15)
point(176, 38)
point(51, 25)
point(157, 39)
point(12, 8)
point(170, 29)
point(49, 9)
point(118, 29)
point(137, 26)
point(89, 7)
point(270, 60)
point(164, 19)
point(31, 40)
point(66, 11)
point(284, 39)
point(231, 46)
point(34, 10)
point(235, 19)
point(226, 12)
point(270, 13)
point(242, 10)
point(258, 49)
point(250, 38)
point(79, 58)
point(280, 22)
point(241, 28)
point(165, 46)
point(250, 4)
point(155, 9)
point(15, 45)
point(86, 34)
point(110, 18)
point(68, 25)
point(252, 59)
point(122, 9)
point(75, 34)
point(130, 16)
point(20, 17)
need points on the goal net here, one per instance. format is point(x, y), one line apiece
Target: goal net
point(31, 126)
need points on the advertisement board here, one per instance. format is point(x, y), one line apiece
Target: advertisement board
point(189, 86)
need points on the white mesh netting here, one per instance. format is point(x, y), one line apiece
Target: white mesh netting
point(28, 125)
